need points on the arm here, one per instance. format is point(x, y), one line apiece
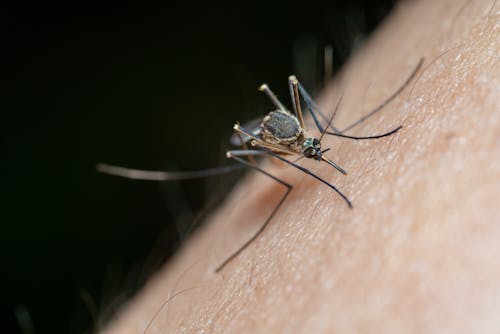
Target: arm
point(420, 250)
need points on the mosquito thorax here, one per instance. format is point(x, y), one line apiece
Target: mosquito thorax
point(281, 127)
point(311, 148)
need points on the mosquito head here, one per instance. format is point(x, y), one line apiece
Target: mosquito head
point(311, 148)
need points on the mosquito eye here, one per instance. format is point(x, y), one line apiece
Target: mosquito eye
point(310, 152)
point(315, 142)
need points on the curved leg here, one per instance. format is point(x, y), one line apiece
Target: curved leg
point(308, 172)
point(386, 102)
point(314, 110)
point(235, 155)
point(393, 131)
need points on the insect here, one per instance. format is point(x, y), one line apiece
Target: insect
point(281, 134)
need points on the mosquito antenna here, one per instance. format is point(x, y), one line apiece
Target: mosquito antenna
point(388, 100)
point(138, 174)
point(331, 117)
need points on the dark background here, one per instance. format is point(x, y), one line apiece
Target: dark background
point(156, 88)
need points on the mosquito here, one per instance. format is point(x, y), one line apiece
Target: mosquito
point(281, 134)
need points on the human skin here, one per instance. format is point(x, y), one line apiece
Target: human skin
point(420, 250)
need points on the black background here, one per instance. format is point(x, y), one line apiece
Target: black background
point(156, 88)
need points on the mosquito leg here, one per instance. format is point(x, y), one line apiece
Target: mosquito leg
point(245, 147)
point(332, 117)
point(235, 155)
point(327, 64)
point(241, 130)
point(308, 172)
point(388, 100)
point(265, 88)
point(294, 93)
point(148, 175)
point(366, 137)
point(313, 108)
point(279, 150)
point(257, 141)
point(352, 137)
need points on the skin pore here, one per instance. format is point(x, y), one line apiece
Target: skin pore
point(420, 250)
